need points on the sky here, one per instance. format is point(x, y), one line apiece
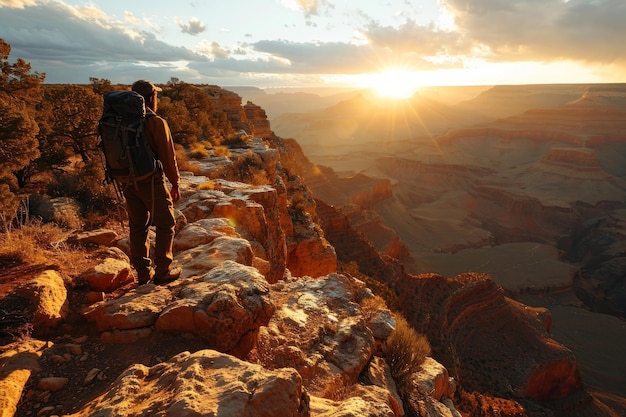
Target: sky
point(306, 43)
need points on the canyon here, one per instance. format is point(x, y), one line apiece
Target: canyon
point(524, 183)
point(491, 237)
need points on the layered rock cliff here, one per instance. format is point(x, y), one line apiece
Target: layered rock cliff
point(262, 324)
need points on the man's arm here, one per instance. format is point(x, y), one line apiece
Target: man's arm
point(164, 148)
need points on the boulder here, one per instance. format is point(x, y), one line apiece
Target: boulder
point(318, 329)
point(201, 232)
point(311, 255)
point(111, 272)
point(99, 237)
point(226, 308)
point(48, 297)
point(64, 211)
point(136, 309)
point(433, 379)
point(198, 260)
point(18, 361)
point(204, 383)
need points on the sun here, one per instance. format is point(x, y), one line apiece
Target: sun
point(394, 83)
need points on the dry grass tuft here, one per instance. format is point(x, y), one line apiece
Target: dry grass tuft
point(221, 151)
point(374, 303)
point(405, 351)
point(198, 151)
point(184, 164)
point(30, 242)
point(34, 242)
point(209, 185)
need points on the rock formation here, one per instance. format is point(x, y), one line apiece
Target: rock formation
point(258, 120)
point(262, 323)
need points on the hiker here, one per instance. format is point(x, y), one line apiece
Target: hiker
point(150, 202)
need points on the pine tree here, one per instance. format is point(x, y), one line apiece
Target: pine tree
point(19, 93)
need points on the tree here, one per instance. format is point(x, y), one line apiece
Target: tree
point(70, 145)
point(100, 85)
point(19, 93)
point(199, 106)
point(184, 129)
point(71, 114)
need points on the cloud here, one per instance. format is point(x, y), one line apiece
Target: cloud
point(73, 44)
point(213, 49)
point(336, 57)
point(17, 4)
point(309, 7)
point(192, 27)
point(411, 37)
point(583, 30)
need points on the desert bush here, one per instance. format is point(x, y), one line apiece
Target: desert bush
point(236, 141)
point(372, 304)
point(184, 164)
point(221, 151)
point(405, 350)
point(209, 185)
point(248, 168)
point(198, 150)
point(298, 207)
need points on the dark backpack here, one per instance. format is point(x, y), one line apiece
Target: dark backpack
point(128, 155)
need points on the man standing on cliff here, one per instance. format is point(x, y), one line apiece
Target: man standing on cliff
point(150, 203)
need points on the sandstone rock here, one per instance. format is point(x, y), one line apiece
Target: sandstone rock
point(18, 361)
point(262, 266)
point(429, 407)
point(200, 204)
point(48, 296)
point(226, 308)
point(258, 119)
point(204, 383)
point(257, 213)
point(111, 272)
point(351, 407)
point(201, 232)
point(482, 330)
point(94, 296)
point(44, 411)
point(100, 237)
point(319, 330)
point(52, 383)
point(433, 379)
point(310, 254)
point(91, 375)
point(379, 374)
point(382, 324)
point(108, 275)
point(203, 258)
point(136, 309)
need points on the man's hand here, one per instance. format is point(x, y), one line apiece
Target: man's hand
point(175, 193)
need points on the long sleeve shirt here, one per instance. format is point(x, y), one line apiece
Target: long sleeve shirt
point(160, 139)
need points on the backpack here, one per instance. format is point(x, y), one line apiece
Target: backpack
point(127, 153)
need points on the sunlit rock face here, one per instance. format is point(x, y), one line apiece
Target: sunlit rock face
point(260, 126)
point(178, 386)
point(475, 330)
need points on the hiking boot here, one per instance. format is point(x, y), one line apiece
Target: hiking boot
point(169, 276)
point(145, 276)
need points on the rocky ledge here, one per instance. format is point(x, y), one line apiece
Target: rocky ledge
point(245, 335)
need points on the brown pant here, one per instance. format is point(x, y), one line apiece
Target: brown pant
point(150, 195)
